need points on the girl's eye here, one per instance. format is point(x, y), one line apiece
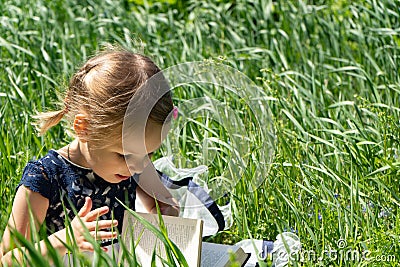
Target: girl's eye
point(128, 156)
point(123, 156)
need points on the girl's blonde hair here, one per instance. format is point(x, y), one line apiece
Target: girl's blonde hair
point(102, 89)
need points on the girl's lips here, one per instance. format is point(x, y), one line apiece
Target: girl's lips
point(121, 177)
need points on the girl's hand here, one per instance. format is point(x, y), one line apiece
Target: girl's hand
point(85, 222)
point(171, 209)
point(89, 219)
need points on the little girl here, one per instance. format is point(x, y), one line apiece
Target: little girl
point(94, 170)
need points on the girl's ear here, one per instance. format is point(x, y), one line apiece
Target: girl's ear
point(81, 126)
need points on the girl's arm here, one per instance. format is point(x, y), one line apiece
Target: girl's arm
point(151, 188)
point(19, 220)
point(24, 201)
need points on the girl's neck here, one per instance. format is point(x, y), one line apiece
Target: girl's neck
point(73, 152)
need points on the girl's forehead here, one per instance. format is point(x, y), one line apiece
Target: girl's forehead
point(136, 143)
point(140, 148)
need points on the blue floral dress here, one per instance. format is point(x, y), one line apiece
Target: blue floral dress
point(66, 185)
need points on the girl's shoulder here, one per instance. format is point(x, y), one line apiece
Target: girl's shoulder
point(54, 163)
point(50, 172)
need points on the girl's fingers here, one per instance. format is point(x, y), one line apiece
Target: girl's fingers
point(103, 224)
point(94, 214)
point(86, 207)
point(103, 235)
point(86, 246)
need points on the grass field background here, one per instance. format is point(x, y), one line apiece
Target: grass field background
point(330, 70)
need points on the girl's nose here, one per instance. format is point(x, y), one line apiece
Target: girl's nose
point(138, 165)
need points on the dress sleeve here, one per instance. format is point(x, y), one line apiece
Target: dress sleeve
point(35, 178)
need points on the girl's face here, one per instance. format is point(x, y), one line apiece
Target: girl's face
point(116, 163)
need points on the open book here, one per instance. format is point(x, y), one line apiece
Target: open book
point(185, 233)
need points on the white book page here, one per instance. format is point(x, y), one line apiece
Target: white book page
point(185, 233)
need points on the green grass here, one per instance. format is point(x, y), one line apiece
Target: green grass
point(330, 70)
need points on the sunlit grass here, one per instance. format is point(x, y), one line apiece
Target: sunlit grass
point(329, 68)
